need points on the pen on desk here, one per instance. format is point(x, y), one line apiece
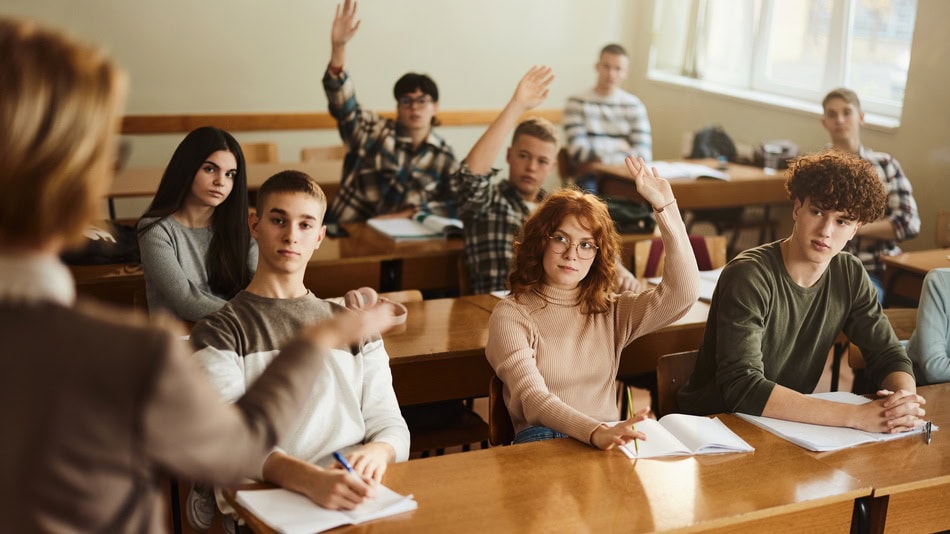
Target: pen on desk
point(636, 444)
point(928, 431)
point(346, 465)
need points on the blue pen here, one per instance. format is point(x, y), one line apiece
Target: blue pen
point(346, 465)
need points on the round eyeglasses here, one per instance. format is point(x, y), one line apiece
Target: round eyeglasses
point(585, 249)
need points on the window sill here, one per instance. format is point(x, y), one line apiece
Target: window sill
point(873, 121)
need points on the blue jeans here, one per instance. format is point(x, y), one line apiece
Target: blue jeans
point(879, 285)
point(537, 433)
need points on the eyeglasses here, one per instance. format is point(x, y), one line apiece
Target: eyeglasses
point(408, 101)
point(585, 249)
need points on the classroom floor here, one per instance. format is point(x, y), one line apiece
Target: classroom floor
point(641, 397)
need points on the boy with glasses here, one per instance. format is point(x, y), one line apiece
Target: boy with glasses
point(392, 167)
point(495, 212)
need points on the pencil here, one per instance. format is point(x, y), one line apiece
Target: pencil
point(636, 444)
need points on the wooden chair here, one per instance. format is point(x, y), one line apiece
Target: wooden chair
point(318, 153)
point(500, 429)
point(565, 167)
point(260, 152)
point(672, 371)
point(903, 321)
point(943, 229)
point(649, 256)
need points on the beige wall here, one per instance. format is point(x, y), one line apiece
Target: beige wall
point(921, 143)
point(219, 56)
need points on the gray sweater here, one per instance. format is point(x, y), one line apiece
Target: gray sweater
point(176, 278)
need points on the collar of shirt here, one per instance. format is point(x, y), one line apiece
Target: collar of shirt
point(33, 278)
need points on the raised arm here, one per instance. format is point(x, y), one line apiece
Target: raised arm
point(530, 92)
point(344, 28)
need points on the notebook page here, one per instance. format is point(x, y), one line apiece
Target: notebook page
point(659, 442)
point(704, 435)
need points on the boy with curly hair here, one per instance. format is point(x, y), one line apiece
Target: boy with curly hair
point(778, 308)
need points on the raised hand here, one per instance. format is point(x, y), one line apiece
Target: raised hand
point(344, 27)
point(650, 185)
point(533, 87)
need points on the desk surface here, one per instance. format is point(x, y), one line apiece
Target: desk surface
point(565, 486)
point(920, 261)
point(912, 475)
point(747, 186)
point(143, 181)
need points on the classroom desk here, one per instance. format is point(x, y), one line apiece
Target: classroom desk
point(747, 186)
point(904, 274)
point(565, 486)
point(911, 479)
point(440, 354)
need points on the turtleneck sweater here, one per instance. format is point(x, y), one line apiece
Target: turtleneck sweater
point(559, 365)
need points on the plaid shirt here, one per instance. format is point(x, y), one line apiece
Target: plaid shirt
point(901, 211)
point(382, 173)
point(493, 216)
point(598, 126)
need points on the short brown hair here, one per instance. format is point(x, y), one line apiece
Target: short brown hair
point(845, 94)
point(613, 48)
point(60, 103)
point(539, 128)
point(290, 182)
point(840, 181)
point(527, 268)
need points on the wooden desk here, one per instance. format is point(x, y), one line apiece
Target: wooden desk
point(641, 355)
point(565, 486)
point(904, 274)
point(911, 479)
point(440, 355)
point(748, 186)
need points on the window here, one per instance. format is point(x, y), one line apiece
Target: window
point(790, 49)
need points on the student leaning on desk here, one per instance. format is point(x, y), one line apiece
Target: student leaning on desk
point(96, 404)
point(556, 341)
point(778, 308)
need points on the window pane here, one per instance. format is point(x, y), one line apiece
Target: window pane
point(881, 36)
point(672, 25)
point(729, 30)
point(798, 38)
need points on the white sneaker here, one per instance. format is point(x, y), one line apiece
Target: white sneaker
point(200, 507)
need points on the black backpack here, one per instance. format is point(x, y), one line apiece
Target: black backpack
point(712, 142)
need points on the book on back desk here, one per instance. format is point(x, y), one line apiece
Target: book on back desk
point(419, 226)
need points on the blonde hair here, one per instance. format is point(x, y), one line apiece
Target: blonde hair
point(60, 102)
point(539, 128)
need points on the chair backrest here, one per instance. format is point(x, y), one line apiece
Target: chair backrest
point(319, 153)
point(500, 429)
point(565, 166)
point(903, 321)
point(943, 229)
point(260, 152)
point(672, 371)
point(649, 256)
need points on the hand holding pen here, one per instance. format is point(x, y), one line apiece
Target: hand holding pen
point(607, 437)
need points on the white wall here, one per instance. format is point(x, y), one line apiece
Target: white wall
point(221, 56)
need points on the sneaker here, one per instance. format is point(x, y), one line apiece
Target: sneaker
point(200, 507)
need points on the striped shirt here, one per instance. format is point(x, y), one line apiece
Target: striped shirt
point(607, 128)
point(493, 216)
point(382, 172)
point(901, 211)
point(559, 365)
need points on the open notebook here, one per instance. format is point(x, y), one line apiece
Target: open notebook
point(679, 434)
point(292, 513)
point(825, 438)
point(679, 170)
point(419, 226)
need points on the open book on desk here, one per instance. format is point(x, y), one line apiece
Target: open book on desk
point(822, 438)
point(419, 226)
point(679, 434)
point(678, 170)
point(292, 513)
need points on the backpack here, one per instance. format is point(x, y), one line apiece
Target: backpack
point(712, 142)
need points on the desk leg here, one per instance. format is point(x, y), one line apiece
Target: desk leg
point(869, 515)
point(390, 276)
point(176, 508)
point(111, 209)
